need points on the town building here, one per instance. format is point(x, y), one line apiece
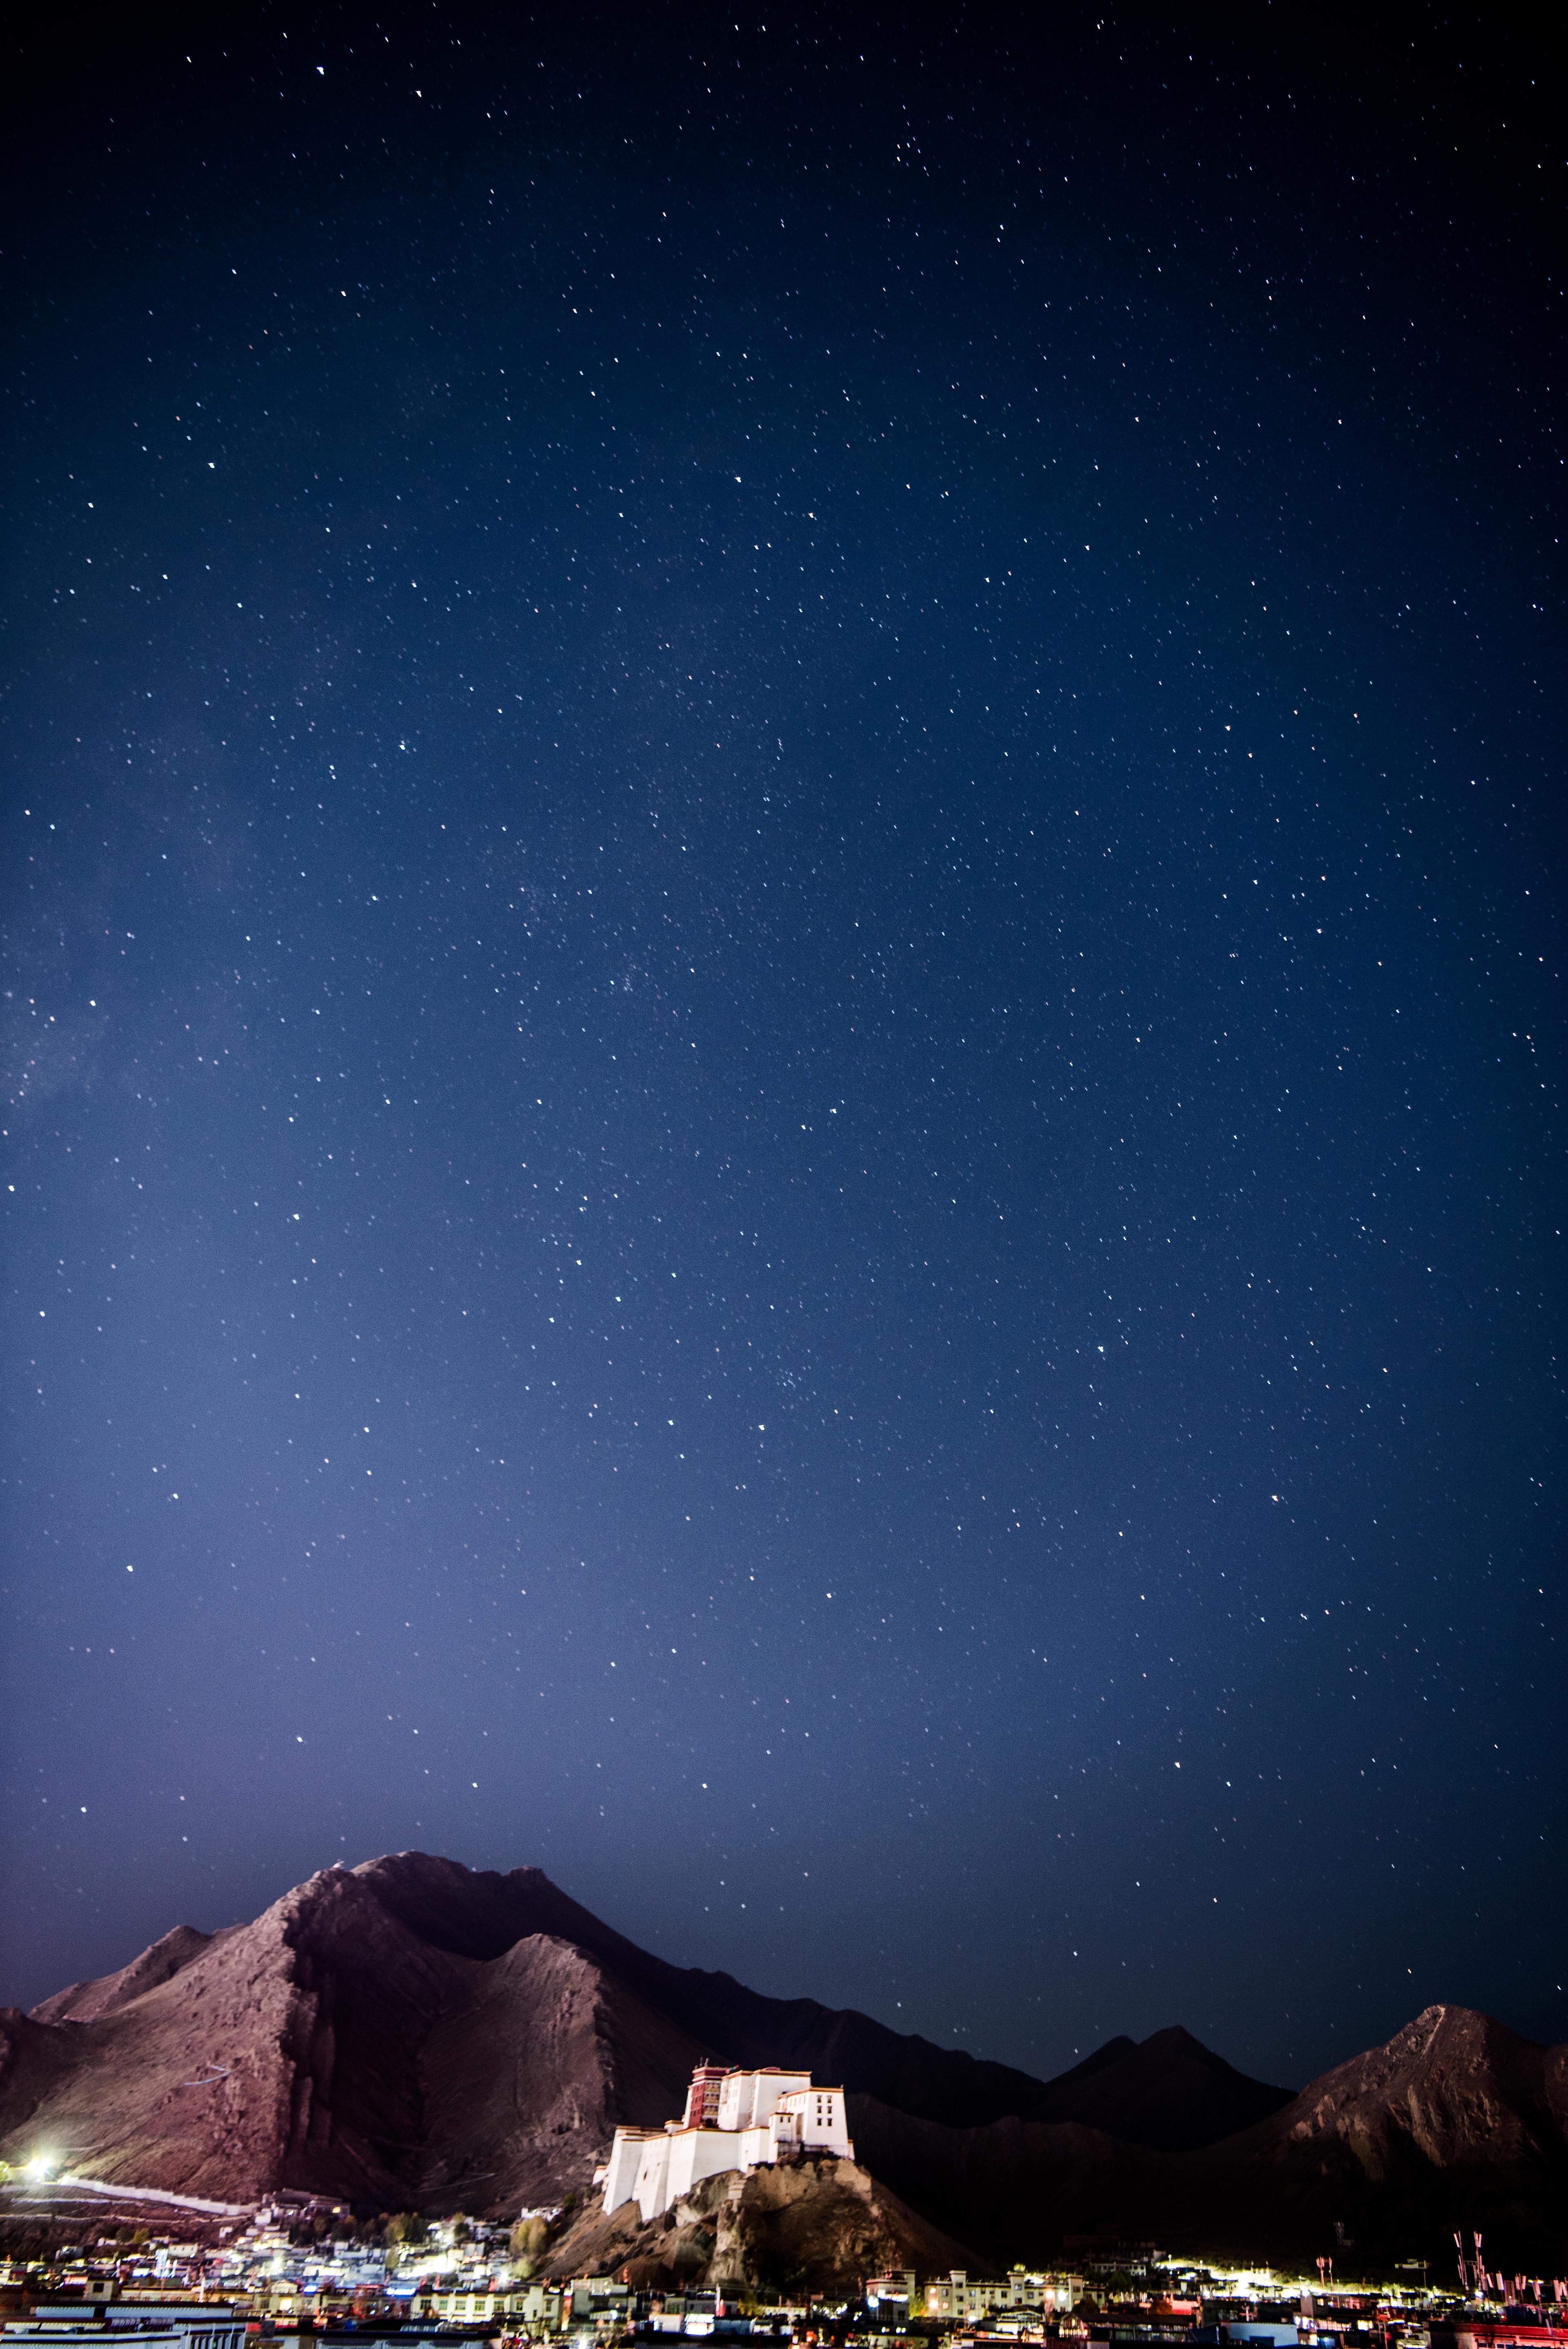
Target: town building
point(954, 2300)
point(733, 2121)
point(135, 2324)
point(129, 2324)
point(891, 2296)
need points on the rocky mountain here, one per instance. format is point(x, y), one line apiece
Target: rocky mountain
point(481, 1915)
point(410, 2033)
point(333, 2046)
point(347, 2041)
point(1455, 2122)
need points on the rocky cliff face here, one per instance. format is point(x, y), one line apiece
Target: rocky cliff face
point(412, 2035)
point(828, 2224)
point(1453, 2088)
point(332, 2047)
point(1456, 2121)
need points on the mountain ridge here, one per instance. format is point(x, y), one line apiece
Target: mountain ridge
point(413, 2033)
point(796, 2031)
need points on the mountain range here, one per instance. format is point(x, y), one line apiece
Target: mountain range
point(413, 2034)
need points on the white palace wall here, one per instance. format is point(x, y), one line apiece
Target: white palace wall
point(763, 2116)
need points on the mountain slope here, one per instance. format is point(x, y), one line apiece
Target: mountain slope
point(411, 2032)
point(329, 2046)
point(190, 2084)
point(1455, 2121)
point(481, 1915)
point(411, 2035)
point(84, 2001)
point(1012, 2188)
point(1169, 2092)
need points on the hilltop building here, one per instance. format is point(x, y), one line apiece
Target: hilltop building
point(733, 2121)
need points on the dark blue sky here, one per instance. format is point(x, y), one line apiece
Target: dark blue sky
point(784, 1023)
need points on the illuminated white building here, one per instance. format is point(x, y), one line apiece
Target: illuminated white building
point(733, 2121)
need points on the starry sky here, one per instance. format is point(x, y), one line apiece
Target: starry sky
point(784, 1009)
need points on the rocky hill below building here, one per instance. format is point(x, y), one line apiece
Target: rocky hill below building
point(823, 2223)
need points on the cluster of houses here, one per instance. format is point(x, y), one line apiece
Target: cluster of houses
point(297, 2269)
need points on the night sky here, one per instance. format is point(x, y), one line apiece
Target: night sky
point(784, 1016)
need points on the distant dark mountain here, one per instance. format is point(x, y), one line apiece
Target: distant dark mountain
point(1013, 2189)
point(1169, 2092)
point(411, 2035)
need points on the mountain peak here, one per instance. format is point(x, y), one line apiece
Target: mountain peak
point(1167, 2091)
